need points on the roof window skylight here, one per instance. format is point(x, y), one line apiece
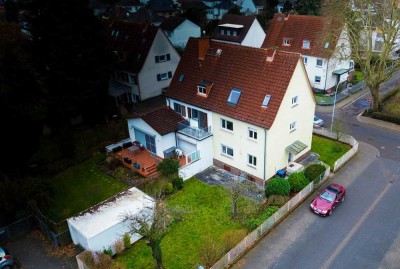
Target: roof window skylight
point(181, 77)
point(326, 45)
point(266, 100)
point(234, 96)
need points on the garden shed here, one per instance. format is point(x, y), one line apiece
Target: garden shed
point(98, 227)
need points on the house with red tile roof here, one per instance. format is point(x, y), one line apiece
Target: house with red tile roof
point(145, 61)
point(321, 42)
point(239, 29)
point(253, 106)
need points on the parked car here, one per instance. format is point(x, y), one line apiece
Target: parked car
point(6, 260)
point(328, 200)
point(318, 122)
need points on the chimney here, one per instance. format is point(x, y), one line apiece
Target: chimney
point(203, 43)
point(270, 55)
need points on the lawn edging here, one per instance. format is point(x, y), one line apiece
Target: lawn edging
point(344, 138)
point(256, 235)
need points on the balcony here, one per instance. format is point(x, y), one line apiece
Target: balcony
point(194, 132)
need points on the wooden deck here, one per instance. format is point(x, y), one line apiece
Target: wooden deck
point(141, 160)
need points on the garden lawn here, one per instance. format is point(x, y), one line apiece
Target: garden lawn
point(209, 216)
point(392, 106)
point(329, 150)
point(81, 187)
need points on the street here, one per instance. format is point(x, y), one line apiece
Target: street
point(364, 231)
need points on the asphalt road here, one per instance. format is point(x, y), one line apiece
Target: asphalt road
point(363, 232)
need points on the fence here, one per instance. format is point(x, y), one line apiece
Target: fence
point(344, 138)
point(17, 229)
point(60, 239)
point(267, 225)
point(330, 100)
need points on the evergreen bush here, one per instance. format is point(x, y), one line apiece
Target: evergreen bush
point(278, 186)
point(297, 182)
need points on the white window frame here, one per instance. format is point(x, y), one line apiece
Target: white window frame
point(295, 100)
point(286, 42)
point(252, 134)
point(251, 160)
point(306, 44)
point(322, 63)
point(164, 76)
point(293, 126)
point(224, 125)
point(202, 90)
point(315, 79)
point(225, 150)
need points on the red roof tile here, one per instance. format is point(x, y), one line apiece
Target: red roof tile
point(318, 30)
point(237, 66)
point(164, 120)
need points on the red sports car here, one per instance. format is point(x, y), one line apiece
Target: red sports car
point(327, 201)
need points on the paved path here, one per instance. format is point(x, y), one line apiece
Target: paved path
point(34, 251)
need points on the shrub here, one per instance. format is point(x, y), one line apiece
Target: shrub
point(232, 237)
point(210, 252)
point(313, 171)
point(253, 223)
point(277, 185)
point(297, 181)
point(108, 251)
point(177, 183)
point(168, 167)
point(277, 200)
point(96, 260)
point(118, 246)
point(127, 240)
point(168, 188)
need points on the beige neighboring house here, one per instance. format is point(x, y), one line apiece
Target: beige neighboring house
point(256, 104)
point(145, 61)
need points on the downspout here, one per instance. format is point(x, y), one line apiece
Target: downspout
point(326, 75)
point(265, 155)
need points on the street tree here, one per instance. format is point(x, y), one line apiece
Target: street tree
point(153, 223)
point(308, 7)
point(373, 33)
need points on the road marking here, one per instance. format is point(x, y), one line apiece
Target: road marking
point(355, 228)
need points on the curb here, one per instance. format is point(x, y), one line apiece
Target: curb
point(378, 123)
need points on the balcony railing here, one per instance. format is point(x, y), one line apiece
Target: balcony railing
point(193, 156)
point(195, 132)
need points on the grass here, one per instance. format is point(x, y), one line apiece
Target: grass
point(209, 216)
point(81, 187)
point(329, 150)
point(392, 106)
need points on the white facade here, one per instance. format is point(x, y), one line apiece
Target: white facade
point(181, 34)
point(99, 228)
point(247, 7)
point(161, 142)
point(255, 36)
point(149, 85)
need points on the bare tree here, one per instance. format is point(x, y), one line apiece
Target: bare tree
point(372, 29)
point(236, 192)
point(152, 223)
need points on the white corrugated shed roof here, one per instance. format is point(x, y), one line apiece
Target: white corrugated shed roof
point(109, 213)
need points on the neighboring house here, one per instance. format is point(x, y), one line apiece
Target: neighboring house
point(142, 16)
point(249, 7)
point(131, 6)
point(100, 226)
point(241, 30)
point(145, 61)
point(218, 8)
point(256, 105)
point(179, 30)
point(322, 43)
point(99, 7)
point(165, 8)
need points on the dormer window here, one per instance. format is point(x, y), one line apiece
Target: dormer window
point(234, 96)
point(266, 100)
point(326, 45)
point(286, 42)
point(306, 44)
point(204, 88)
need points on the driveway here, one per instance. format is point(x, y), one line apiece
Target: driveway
point(34, 251)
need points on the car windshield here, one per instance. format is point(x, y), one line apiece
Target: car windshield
point(316, 119)
point(330, 197)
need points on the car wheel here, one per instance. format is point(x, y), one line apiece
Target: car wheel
point(329, 212)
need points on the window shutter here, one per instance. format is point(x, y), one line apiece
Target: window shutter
point(169, 74)
point(158, 77)
point(168, 57)
point(157, 59)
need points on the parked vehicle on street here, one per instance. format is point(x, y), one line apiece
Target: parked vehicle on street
point(318, 122)
point(6, 260)
point(328, 200)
